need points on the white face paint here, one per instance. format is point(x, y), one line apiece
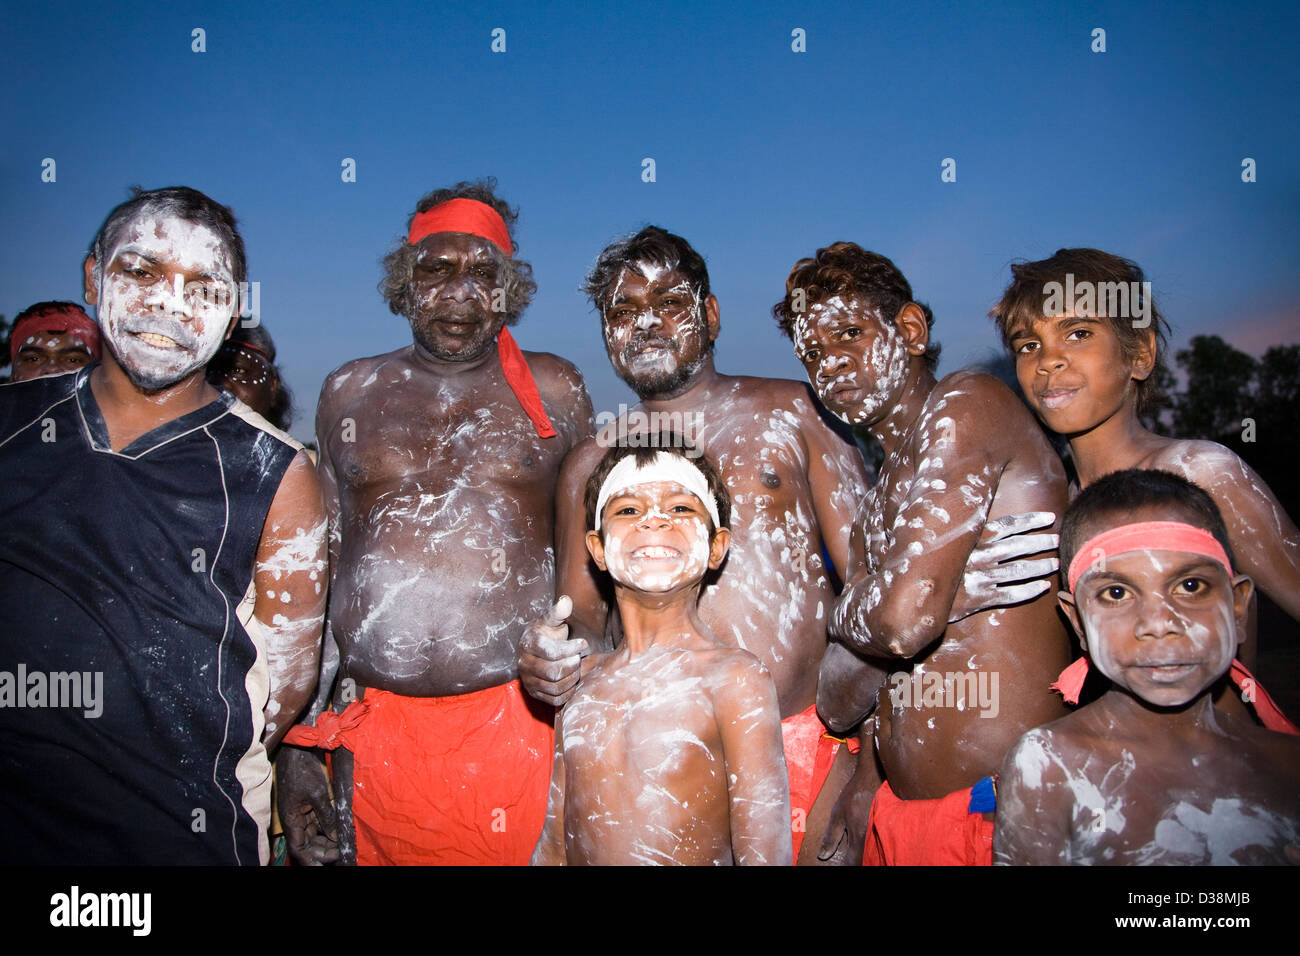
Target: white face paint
point(855, 359)
point(1159, 623)
point(656, 537)
point(165, 299)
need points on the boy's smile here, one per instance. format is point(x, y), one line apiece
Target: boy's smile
point(656, 537)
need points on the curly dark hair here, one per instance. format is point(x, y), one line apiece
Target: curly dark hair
point(845, 268)
point(651, 244)
point(519, 286)
point(1024, 299)
point(181, 202)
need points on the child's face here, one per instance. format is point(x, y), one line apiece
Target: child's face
point(856, 360)
point(656, 538)
point(1074, 372)
point(1162, 624)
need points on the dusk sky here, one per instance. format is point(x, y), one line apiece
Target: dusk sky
point(761, 154)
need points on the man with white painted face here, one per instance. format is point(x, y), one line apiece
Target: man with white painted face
point(439, 462)
point(793, 479)
point(168, 549)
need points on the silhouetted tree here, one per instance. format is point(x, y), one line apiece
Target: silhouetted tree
point(1218, 394)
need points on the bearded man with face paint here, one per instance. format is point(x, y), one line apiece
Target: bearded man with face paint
point(793, 480)
point(179, 617)
point(439, 462)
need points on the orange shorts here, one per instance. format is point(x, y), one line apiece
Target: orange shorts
point(940, 832)
point(809, 752)
point(451, 780)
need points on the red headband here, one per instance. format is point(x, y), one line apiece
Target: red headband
point(58, 322)
point(462, 215)
point(479, 219)
point(1146, 536)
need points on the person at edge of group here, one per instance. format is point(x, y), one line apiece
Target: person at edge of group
point(795, 482)
point(168, 550)
point(50, 338)
point(439, 462)
point(1151, 772)
point(670, 752)
point(1086, 337)
point(245, 367)
point(952, 684)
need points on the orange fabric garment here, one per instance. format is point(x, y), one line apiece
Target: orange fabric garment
point(809, 752)
point(451, 780)
point(926, 832)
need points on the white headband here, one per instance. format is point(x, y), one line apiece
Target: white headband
point(664, 467)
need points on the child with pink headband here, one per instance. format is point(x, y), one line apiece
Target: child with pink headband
point(1152, 772)
point(670, 751)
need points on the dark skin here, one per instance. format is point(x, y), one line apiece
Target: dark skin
point(794, 482)
point(1081, 384)
point(440, 495)
point(50, 353)
point(247, 375)
point(670, 752)
point(1151, 772)
point(290, 565)
point(959, 454)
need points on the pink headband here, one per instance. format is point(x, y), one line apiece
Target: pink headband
point(1146, 536)
point(462, 215)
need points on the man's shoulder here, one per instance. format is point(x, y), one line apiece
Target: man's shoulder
point(969, 389)
point(260, 425)
point(352, 375)
point(554, 375)
point(783, 390)
point(980, 408)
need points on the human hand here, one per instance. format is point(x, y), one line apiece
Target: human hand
point(306, 808)
point(1000, 572)
point(550, 665)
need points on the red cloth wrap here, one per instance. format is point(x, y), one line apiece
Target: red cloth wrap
point(451, 780)
point(809, 752)
point(926, 832)
point(1070, 684)
point(60, 321)
point(332, 730)
point(520, 379)
point(462, 215)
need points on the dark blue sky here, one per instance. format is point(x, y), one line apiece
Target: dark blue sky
point(762, 154)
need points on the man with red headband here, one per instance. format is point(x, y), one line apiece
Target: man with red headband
point(439, 462)
point(50, 338)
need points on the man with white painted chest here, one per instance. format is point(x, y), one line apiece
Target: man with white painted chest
point(794, 483)
point(439, 462)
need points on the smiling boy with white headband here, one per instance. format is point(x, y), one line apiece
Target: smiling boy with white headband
point(1151, 772)
point(670, 752)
